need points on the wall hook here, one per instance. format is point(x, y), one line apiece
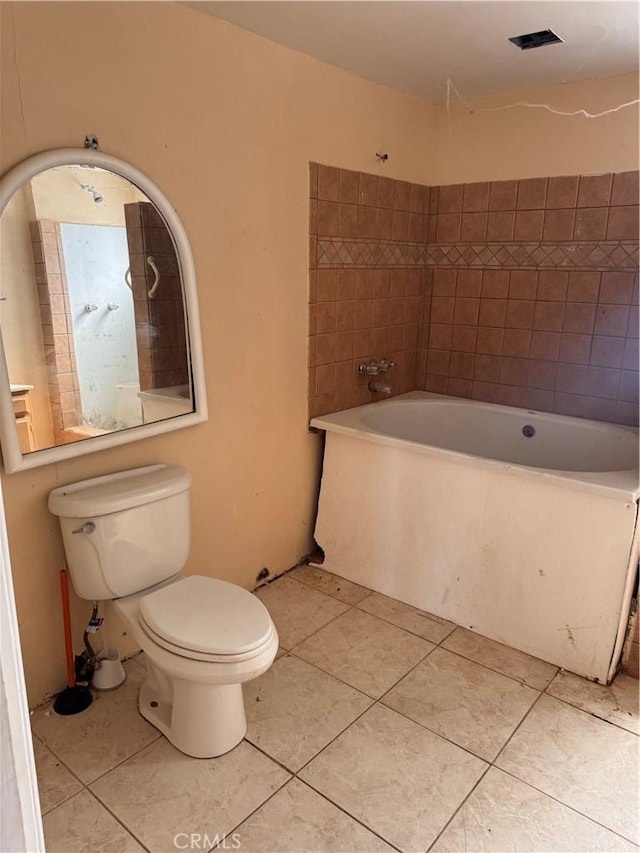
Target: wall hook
point(91, 141)
point(382, 157)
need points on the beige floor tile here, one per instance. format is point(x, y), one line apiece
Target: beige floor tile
point(503, 813)
point(81, 824)
point(397, 778)
point(347, 591)
point(298, 610)
point(366, 652)
point(160, 792)
point(55, 783)
point(298, 820)
point(617, 703)
point(417, 621)
point(467, 703)
point(584, 762)
point(294, 710)
point(532, 671)
point(110, 730)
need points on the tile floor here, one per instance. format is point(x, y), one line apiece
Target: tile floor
point(378, 727)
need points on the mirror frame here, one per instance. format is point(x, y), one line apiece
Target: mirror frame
point(13, 458)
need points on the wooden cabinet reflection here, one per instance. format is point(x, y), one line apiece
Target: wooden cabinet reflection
point(21, 401)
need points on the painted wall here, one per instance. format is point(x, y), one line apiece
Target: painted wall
point(226, 123)
point(533, 143)
point(58, 195)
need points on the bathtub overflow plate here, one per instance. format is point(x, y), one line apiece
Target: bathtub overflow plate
point(528, 431)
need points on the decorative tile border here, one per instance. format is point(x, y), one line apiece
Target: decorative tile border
point(597, 255)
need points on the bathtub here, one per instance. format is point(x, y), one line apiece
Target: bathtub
point(518, 525)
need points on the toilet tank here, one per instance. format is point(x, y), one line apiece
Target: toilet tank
point(124, 532)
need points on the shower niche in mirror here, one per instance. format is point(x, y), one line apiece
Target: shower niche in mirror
point(98, 310)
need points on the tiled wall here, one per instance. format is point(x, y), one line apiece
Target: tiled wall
point(367, 303)
point(534, 302)
point(529, 290)
point(57, 329)
point(160, 323)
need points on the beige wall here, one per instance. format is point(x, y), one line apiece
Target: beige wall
point(529, 143)
point(58, 195)
point(226, 123)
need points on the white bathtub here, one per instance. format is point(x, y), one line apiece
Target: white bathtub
point(447, 505)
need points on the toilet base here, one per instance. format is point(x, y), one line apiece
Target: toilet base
point(201, 720)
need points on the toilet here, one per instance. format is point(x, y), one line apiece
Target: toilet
point(127, 537)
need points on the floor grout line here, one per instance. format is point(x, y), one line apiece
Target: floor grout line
point(565, 805)
point(119, 820)
point(373, 701)
point(439, 644)
point(462, 804)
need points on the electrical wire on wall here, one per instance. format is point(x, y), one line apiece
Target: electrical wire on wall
point(527, 104)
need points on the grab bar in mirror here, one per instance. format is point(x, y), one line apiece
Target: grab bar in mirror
point(156, 273)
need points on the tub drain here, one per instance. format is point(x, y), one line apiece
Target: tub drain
point(528, 431)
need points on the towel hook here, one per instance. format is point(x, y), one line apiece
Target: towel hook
point(152, 264)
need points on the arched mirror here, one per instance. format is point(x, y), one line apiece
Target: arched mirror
point(98, 310)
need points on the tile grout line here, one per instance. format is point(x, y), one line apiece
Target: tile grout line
point(86, 789)
point(119, 820)
point(378, 700)
point(293, 776)
point(348, 607)
point(489, 763)
point(85, 785)
point(342, 809)
point(268, 799)
point(358, 689)
point(373, 701)
point(439, 644)
point(462, 804)
point(584, 710)
point(517, 728)
point(422, 637)
point(565, 805)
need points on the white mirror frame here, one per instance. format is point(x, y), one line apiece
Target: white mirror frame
point(13, 458)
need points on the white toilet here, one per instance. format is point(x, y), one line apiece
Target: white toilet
point(126, 538)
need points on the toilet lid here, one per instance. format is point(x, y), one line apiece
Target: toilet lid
point(207, 615)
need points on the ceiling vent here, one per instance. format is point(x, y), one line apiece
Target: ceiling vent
point(530, 40)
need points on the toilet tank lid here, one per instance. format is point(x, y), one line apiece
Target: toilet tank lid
point(120, 491)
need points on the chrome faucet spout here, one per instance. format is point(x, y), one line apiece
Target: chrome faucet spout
point(379, 388)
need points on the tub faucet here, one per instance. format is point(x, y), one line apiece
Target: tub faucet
point(379, 387)
point(373, 368)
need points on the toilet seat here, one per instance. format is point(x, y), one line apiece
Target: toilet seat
point(206, 619)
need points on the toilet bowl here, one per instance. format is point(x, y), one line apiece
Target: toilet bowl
point(194, 695)
point(202, 637)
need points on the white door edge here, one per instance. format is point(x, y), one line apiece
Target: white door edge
point(20, 821)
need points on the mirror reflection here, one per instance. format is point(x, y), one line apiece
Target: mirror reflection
point(91, 308)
